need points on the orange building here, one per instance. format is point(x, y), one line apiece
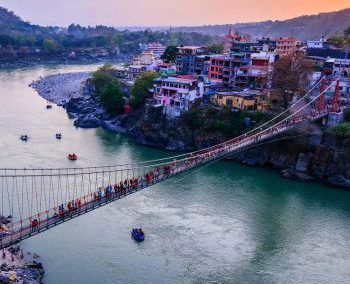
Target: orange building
point(216, 67)
point(286, 46)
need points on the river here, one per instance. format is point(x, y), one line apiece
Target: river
point(224, 223)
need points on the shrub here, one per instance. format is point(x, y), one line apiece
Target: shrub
point(341, 130)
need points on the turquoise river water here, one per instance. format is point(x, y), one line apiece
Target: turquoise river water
point(224, 223)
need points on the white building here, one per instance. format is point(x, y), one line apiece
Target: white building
point(341, 67)
point(176, 93)
point(157, 49)
point(317, 43)
point(167, 68)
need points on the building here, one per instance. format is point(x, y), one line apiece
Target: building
point(244, 100)
point(167, 68)
point(145, 58)
point(202, 63)
point(341, 67)
point(286, 46)
point(248, 47)
point(268, 42)
point(186, 59)
point(232, 65)
point(233, 37)
point(254, 72)
point(133, 71)
point(322, 43)
point(327, 52)
point(216, 67)
point(176, 93)
point(156, 48)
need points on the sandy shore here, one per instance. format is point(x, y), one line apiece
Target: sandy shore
point(60, 88)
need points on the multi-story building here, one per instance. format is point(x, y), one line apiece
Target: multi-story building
point(232, 65)
point(133, 71)
point(286, 46)
point(233, 37)
point(157, 49)
point(256, 75)
point(268, 42)
point(176, 93)
point(202, 63)
point(247, 47)
point(216, 67)
point(341, 67)
point(186, 59)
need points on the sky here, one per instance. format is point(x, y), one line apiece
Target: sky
point(164, 12)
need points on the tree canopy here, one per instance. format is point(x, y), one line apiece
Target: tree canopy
point(291, 75)
point(215, 48)
point(112, 97)
point(107, 89)
point(140, 91)
point(169, 54)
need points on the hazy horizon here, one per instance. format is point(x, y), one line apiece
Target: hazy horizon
point(158, 13)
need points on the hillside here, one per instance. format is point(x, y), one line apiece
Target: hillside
point(304, 27)
point(19, 39)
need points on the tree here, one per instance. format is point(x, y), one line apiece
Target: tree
point(112, 97)
point(337, 41)
point(102, 77)
point(140, 91)
point(50, 45)
point(291, 75)
point(169, 54)
point(215, 48)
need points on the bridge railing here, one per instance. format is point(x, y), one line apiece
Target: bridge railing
point(41, 195)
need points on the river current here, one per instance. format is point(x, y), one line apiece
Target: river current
point(224, 223)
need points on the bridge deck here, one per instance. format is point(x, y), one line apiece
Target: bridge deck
point(21, 231)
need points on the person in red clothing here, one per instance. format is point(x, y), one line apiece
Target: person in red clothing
point(35, 224)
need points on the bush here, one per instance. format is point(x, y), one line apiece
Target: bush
point(193, 119)
point(341, 130)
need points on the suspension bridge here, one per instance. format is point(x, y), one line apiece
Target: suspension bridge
point(37, 200)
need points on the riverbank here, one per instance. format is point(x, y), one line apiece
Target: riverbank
point(312, 154)
point(60, 88)
point(17, 266)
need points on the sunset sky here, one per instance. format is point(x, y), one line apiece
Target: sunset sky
point(164, 12)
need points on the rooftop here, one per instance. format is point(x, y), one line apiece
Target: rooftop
point(190, 47)
point(249, 94)
point(185, 79)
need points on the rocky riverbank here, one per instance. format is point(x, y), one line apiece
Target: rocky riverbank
point(17, 266)
point(60, 88)
point(313, 154)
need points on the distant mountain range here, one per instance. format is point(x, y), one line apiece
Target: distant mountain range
point(303, 27)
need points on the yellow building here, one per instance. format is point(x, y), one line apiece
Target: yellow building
point(245, 100)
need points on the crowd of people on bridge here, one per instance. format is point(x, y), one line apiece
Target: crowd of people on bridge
point(111, 192)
